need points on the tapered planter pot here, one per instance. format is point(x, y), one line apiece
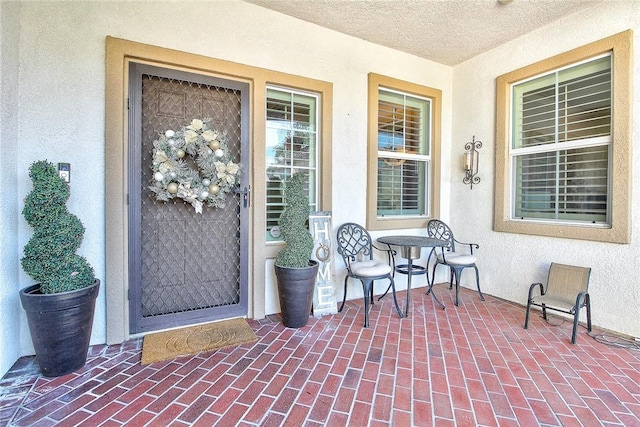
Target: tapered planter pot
point(295, 288)
point(60, 326)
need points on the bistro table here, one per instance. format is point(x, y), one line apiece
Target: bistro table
point(411, 247)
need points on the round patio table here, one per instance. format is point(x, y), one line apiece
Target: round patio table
point(411, 248)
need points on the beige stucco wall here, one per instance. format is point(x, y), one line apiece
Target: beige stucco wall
point(510, 262)
point(10, 309)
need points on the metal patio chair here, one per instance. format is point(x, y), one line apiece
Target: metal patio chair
point(566, 291)
point(448, 256)
point(356, 248)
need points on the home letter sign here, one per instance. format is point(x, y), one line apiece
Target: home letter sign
point(324, 296)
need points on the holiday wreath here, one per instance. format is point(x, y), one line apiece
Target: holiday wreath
point(173, 177)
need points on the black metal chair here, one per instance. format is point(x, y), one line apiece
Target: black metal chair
point(567, 291)
point(456, 261)
point(356, 248)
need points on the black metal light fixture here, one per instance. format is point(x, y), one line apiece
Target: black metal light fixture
point(470, 162)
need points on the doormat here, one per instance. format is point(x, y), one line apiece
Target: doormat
point(194, 339)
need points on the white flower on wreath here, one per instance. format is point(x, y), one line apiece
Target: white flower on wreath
point(162, 162)
point(190, 136)
point(221, 168)
point(186, 192)
point(209, 135)
point(196, 124)
point(232, 168)
point(227, 172)
point(160, 157)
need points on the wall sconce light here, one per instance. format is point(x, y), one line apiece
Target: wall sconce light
point(470, 162)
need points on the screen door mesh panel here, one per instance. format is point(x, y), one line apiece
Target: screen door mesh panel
point(190, 261)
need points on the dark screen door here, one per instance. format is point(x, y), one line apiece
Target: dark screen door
point(184, 267)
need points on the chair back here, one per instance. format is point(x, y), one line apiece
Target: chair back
point(354, 243)
point(567, 281)
point(439, 230)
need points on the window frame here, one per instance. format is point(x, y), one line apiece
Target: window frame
point(434, 96)
point(619, 202)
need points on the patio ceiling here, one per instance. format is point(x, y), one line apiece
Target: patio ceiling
point(445, 31)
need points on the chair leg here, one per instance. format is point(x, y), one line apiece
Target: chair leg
point(478, 283)
point(576, 317)
point(587, 300)
point(433, 278)
point(430, 284)
point(344, 297)
point(372, 293)
point(574, 333)
point(526, 316)
point(366, 287)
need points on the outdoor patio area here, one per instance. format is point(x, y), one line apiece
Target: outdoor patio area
point(467, 366)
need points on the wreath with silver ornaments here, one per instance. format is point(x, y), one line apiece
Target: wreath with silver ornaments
point(173, 176)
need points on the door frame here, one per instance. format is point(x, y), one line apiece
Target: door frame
point(119, 53)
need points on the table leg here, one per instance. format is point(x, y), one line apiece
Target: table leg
point(409, 268)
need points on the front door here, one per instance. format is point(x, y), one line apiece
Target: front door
point(186, 265)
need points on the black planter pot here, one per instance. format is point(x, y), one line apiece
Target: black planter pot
point(60, 326)
point(295, 288)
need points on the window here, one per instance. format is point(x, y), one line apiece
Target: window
point(403, 138)
point(564, 145)
point(292, 146)
point(560, 144)
point(403, 154)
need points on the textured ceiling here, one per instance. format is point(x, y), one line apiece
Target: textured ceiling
point(448, 32)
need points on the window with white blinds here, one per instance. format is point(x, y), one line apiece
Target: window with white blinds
point(561, 144)
point(403, 154)
point(292, 146)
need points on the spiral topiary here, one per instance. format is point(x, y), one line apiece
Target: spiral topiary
point(293, 225)
point(50, 255)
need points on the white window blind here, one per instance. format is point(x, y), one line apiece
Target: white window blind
point(292, 146)
point(403, 154)
point(561, 141)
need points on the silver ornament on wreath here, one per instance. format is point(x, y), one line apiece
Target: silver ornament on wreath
point(173, 176)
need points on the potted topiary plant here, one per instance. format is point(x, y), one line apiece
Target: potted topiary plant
point(295, 270)
point(60, 306)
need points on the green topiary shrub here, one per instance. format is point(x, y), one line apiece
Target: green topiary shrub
point(293, 225)
point(50, 255)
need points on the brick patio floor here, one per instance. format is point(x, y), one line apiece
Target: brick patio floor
point(472, 365)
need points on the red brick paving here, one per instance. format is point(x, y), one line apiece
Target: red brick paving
point(472, 365)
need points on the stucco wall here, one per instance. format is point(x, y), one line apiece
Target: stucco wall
point(9, 209)
point(510, 262)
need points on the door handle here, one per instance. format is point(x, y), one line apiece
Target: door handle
point(246, 192)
